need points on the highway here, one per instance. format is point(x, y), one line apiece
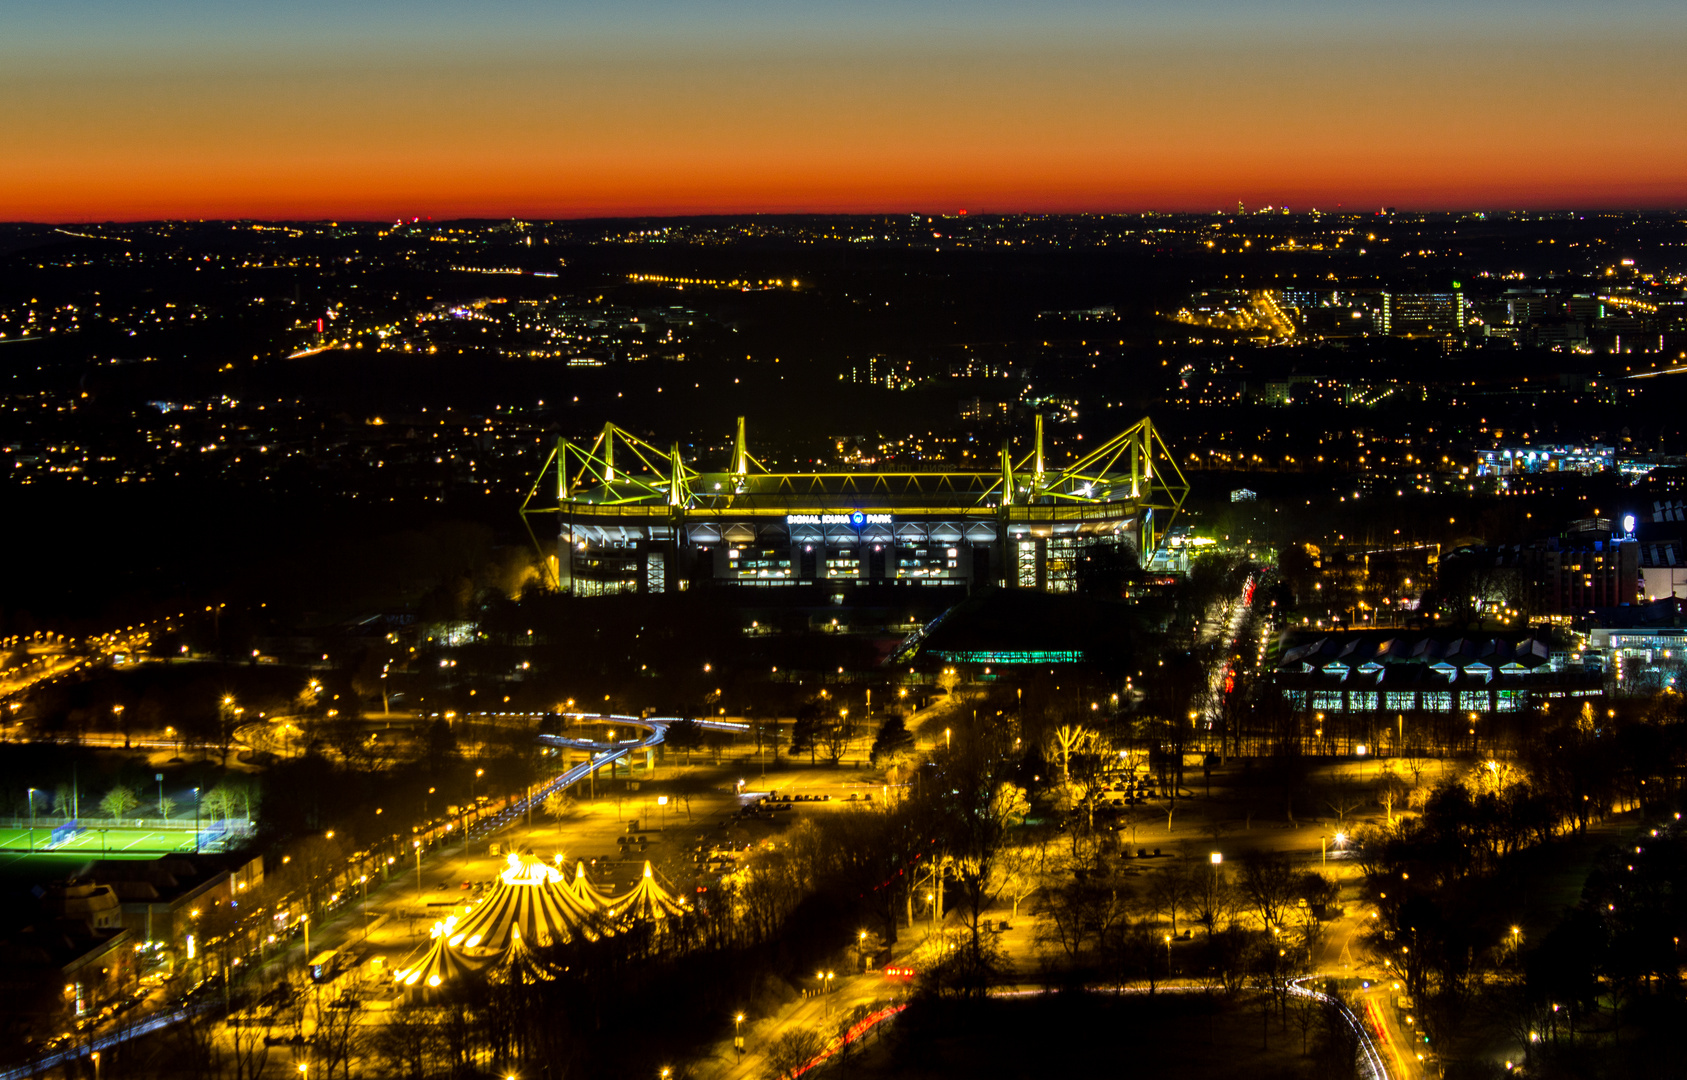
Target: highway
point(1232, 616)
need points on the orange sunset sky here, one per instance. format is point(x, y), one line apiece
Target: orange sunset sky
point(190, 109)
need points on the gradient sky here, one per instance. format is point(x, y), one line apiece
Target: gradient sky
point(134, 109)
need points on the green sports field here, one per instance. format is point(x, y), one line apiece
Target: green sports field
point(99, 843)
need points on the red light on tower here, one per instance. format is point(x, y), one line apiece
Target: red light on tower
point(319, 325)
point(963, 212)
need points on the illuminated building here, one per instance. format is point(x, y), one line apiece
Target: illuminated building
point(1405, 314)
point(633, 518)
point(1386, 673)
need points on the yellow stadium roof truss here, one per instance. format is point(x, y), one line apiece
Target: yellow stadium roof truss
point(619, 477)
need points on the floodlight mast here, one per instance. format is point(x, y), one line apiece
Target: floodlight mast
point(740, 453)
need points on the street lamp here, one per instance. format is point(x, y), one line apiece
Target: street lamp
point(1168, 956)
point(861, 949)
point(417, 844)
point(738, 1035)
point(947, 743)
point(304, 921)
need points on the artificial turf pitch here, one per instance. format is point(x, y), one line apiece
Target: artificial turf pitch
point(96, 841)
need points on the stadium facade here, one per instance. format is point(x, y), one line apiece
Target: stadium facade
point(630, 517)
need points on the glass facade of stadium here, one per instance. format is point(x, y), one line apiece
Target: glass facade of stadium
point(632, 518)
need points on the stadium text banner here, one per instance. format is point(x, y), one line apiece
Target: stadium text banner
point(856, 518)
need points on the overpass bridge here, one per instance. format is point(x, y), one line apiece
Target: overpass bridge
point(600, 753)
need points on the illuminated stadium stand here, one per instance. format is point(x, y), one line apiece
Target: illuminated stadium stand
point(1009, 656)
point(634, 519)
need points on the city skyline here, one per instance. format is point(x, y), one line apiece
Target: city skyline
point(307, 111)
point(739, 540)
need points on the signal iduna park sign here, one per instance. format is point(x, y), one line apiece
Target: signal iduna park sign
point(855, 518)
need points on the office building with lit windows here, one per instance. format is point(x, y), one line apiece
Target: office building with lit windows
point(1434, 314)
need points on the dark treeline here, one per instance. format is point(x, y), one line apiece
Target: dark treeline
point(1464, 890)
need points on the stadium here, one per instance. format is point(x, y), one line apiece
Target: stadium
point(632, 518)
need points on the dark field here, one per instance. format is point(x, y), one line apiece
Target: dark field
point(1187, 1036)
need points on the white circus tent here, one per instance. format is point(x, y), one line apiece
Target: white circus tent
point(521, 966)
point(445, 961)
point(531, 899)
point(587, 893)
point(648, 900)
point(532, 906)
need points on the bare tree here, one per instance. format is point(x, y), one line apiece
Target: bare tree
point(1170, 892)
point(1342, 796)
point(684, 734)
point(1269, 882)
point(338, 1038)
point(248, 1044)
point(193, 1049)
point(1025, 868)
point(1391, 792)
point(1306, 1010)
point(404, 1041)
point(1069, 739)
point(1211, 895)
point(228, 723)
point(836, 733)
point(560, 806)
point(118, 801)
point(791, 1051)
